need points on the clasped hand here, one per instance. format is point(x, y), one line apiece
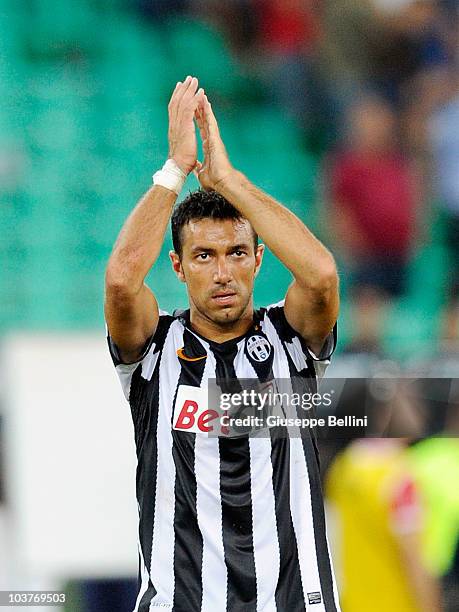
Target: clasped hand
point(188, 105)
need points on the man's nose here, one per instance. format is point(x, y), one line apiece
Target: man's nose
point(222, 274)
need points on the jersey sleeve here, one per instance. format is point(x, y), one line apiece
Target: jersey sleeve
point(287, 334)
point(147, 359)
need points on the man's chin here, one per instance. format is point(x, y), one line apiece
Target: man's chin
point(226, 315)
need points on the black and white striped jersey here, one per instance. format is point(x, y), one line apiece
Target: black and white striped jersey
point(225, 524)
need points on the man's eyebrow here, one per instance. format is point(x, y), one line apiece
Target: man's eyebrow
point(202, 249)
point(239, 247)
point(234, 247)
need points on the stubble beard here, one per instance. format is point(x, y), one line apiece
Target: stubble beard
point(225, 317)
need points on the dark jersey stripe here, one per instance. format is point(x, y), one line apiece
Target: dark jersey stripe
point(237, 524)
point(144, 605)
point(289, 591)
point(236, 498)
point(145, 426)
point(188, 539)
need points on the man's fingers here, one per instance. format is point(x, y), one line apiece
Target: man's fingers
point(173, 100)
point(210, 120)
point(203, 124)
point(200, 112)
point(174, 92)
point(200, 122)
point(188, 111)
point(178, 95)
point(188, 96)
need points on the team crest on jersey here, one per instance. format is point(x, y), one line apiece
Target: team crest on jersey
point(258, 348)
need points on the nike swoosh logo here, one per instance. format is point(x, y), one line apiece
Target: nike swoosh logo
point(181, 355)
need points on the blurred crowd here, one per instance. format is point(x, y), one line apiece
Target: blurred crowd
point(374, 85)
point(392, 495)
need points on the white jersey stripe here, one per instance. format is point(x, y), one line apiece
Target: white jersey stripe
point(209, 512)
point(162, 550)
point(280, 363)
point(242, 366)
point(301, 509)
point(214, 573)
point(125, 372)
point(149, 364)
point(265, 541)
point(296, 353)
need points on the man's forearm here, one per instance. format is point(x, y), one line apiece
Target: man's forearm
point(283, 233)
point(140, 240)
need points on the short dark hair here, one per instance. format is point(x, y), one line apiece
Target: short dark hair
point(198, 205)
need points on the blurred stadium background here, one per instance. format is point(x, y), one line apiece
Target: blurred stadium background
point(311, 95)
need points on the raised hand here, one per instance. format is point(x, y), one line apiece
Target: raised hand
point(216, 167)
point(182, 132)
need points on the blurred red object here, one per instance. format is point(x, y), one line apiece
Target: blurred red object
point(373, 185)
point(288, 26)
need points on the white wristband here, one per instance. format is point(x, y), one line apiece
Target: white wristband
point(171, 176)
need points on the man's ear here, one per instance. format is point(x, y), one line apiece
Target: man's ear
point(259, 258)
point(177, 266)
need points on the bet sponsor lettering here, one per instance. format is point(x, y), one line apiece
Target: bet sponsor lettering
point(192, 414)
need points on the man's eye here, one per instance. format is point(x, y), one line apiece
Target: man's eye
point(239, 253)
point(203, 256)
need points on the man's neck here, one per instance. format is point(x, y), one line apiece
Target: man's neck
point(218, 332)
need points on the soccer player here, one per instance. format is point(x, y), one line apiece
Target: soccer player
point(225, 523)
